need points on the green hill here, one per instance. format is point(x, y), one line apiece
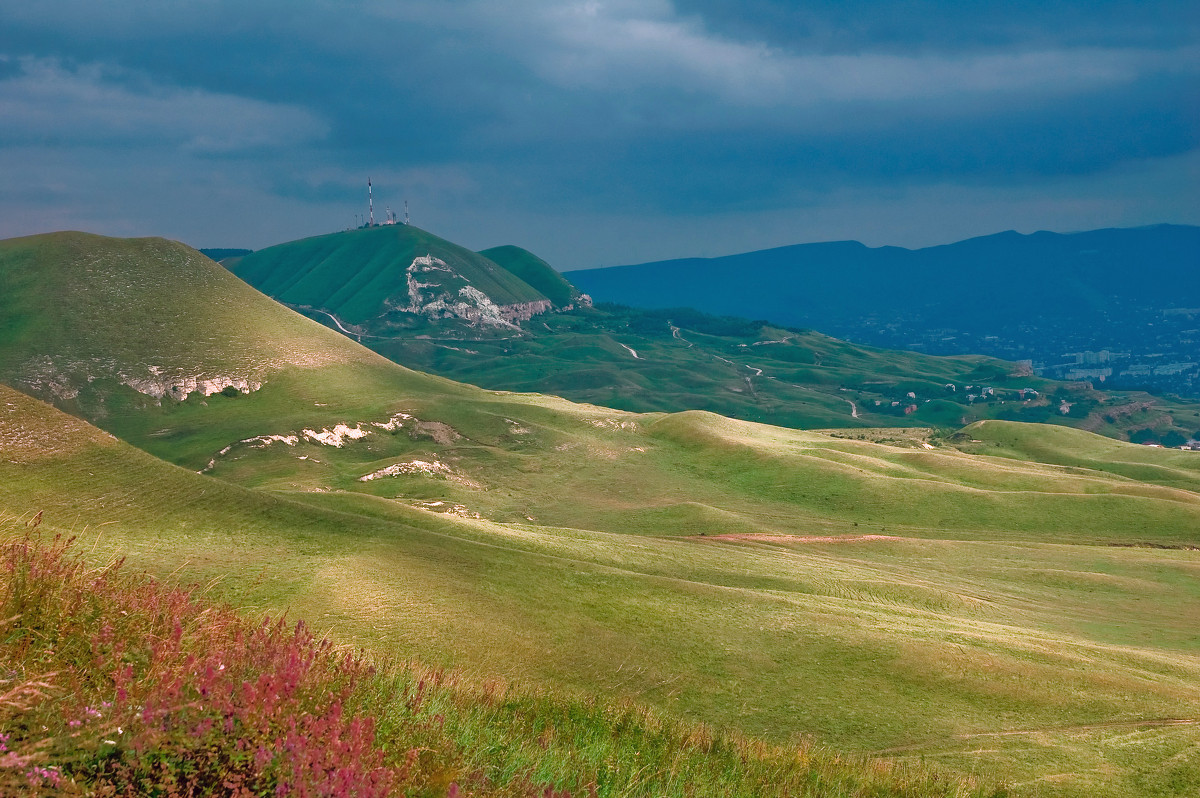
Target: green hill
point(905, 597)
point(98, 322)
point(534, 271)
point(390, 276)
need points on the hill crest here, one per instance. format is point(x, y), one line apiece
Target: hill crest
point(85, 315)
point(392, 277)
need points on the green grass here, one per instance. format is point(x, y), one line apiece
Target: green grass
point(686, 360)
point(534, 271)
point(1045, 600)
point(354, 273)
point(117, 683)
point(912, 644)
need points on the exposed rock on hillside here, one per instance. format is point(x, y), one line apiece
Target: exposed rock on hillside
point(449, 295)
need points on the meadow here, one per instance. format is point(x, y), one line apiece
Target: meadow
point(1006, 603)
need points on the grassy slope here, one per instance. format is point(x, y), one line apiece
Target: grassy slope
point(873, 645)
point(685, 359)
point(1092, 452)
point(1002, 605)
point(807, 379)
point(201, 687)
point(534, 271)
point(90, 312)
point(352, 274)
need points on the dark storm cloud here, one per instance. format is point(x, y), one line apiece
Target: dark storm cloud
point(532, 107)
point(951, 25)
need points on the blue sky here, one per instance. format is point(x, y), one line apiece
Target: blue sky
point(598, 133)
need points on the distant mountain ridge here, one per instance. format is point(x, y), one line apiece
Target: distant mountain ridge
point(795, 284)
point(1009, 295)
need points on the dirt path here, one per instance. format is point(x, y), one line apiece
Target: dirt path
point(358, 336)
point(675, 333)
point(853, 409)
point(1115, 724)
point(632, 351)
point(751, 538)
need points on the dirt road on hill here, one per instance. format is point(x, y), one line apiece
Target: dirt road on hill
point(751, 538)
point(1083, 727)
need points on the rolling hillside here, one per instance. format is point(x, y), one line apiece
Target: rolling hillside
point(905, 598)
point(534, 271)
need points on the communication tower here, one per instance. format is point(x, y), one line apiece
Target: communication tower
point(370, 204)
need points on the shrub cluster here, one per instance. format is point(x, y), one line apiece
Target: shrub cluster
point(128, 687)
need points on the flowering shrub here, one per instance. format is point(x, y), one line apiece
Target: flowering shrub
point(128, 687)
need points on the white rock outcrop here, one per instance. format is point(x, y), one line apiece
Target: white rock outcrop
point(435, 300)
point(337, 436)
point(411, 467)
point(159, 385)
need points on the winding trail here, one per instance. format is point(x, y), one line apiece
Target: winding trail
point(338, 322)
point(753, 537)
point(675, 333)
point(853, 409)
point(1116, 724)
point(632, 351)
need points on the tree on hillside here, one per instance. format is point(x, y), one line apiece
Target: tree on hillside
point(1145, 435)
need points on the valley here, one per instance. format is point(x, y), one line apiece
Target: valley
point(671, 359)
point(1011, 602)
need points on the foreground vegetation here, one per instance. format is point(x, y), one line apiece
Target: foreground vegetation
point(116, 684)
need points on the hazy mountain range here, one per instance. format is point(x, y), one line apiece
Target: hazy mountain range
point(1047, 297)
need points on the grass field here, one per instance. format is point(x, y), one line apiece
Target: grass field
point(1008, 603)
point(210, 702)
point(921, 644)
point(670, 360)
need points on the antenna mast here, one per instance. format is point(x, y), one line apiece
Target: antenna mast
point(406, 211)
point(370, 204)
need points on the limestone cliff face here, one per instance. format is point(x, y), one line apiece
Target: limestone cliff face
point(63, 381)
point(435, 290)
point(524, 311)
point(180, 387)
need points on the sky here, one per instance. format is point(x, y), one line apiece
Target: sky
point(599, 133)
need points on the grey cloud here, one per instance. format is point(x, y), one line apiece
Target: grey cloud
point(94, 103)
point(674, 110)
